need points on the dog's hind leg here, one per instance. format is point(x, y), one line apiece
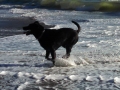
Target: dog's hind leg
point(68, 51)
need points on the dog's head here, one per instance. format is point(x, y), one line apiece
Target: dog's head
point(33, 28)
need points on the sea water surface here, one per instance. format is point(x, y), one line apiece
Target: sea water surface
point(22, 62)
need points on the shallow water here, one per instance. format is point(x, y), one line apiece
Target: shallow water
point(22, 58)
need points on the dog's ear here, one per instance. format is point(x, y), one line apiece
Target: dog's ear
point(36, 22)
point(39, 25)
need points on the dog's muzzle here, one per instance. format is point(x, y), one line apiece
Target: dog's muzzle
point(26, 31)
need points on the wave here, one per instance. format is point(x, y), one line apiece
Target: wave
point(67, 4)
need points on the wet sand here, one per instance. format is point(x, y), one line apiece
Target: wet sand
point(13, 26)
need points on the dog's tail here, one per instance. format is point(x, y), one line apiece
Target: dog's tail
point(79, 28)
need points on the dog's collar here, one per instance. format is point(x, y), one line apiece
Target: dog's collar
point(41, 35)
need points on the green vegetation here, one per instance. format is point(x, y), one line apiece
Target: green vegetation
point(62, 4)
point(69, 4)
point(73, 4)
point(109, 6)
point(48, 3)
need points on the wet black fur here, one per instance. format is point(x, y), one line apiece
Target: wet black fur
point(52, 39)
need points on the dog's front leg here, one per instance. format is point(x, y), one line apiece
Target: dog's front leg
point(47, 55)
point(53, 54)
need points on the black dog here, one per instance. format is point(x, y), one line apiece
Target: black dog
point(52, 39)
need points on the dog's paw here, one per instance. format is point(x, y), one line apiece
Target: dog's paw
point(50, 59)
point(53, 62)
point(65, 56)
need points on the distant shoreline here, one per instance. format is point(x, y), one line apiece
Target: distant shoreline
point(104, 6)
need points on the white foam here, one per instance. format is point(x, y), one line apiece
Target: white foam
point(64, 62)
point(38, 76)
point(20, 74)
point(92, 45)
point(101, 78)
point(23, 86)
point(72, 61)
point(30, 14)
point(84, 62)
point(104, 78)
point(76, 77)
point(4, 72)
point(90, 78)
point(117, 80)
point(7, 73)
point(23, 74)
point(54, 77)
point(5, 6)
point(57, 27)
point(16, 10)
